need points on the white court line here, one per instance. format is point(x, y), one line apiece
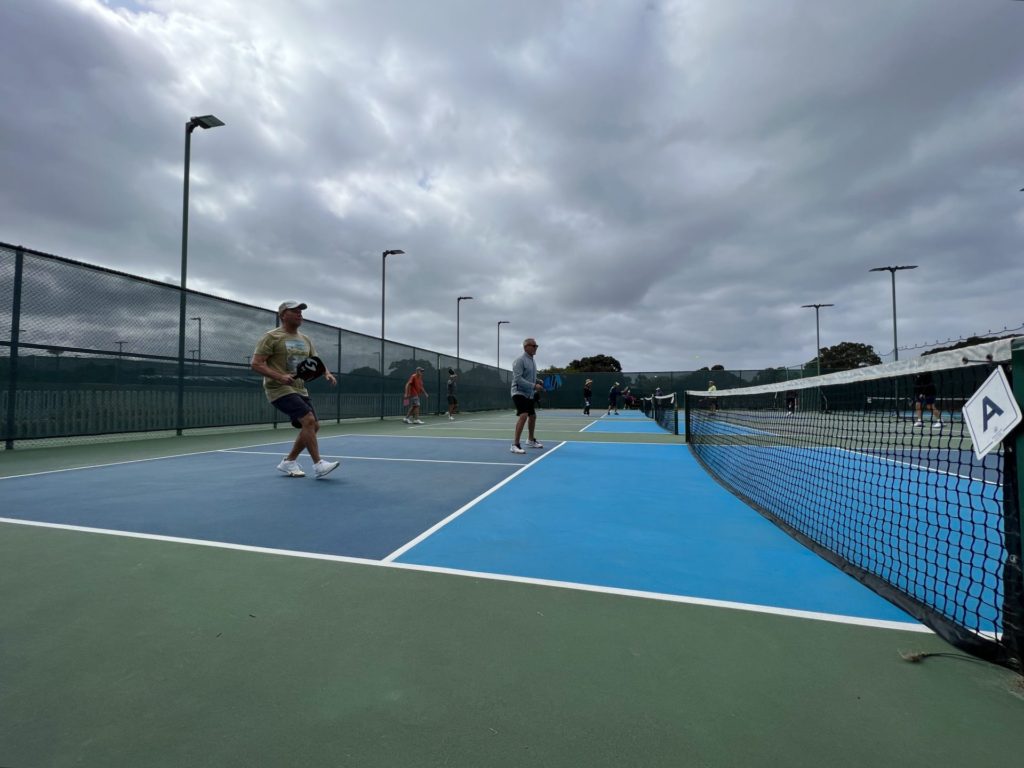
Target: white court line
point(727, 604)
point(111, 464)
point(288, 442)
point(592, 423)
point(436, 527)
point(679, 443)
point(150, 458)
point(382, 458)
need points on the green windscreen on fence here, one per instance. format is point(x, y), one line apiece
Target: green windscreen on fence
point(90, 351)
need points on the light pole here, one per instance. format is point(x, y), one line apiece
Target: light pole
point(817, 330)
point(500, 323)
point(117, 367)
point(383, 261)
point(200, 320)
point(892, 271)
point(458, 304)
point(204, 121)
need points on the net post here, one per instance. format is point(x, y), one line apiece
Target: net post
point(686, 417)
point(1013, 504)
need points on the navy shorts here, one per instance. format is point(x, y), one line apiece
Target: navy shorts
point(294, 407)
point(524, 404)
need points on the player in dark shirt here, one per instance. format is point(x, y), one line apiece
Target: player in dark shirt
point(924, 397)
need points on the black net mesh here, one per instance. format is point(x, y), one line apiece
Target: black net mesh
point(663, 409)
point(876, 470)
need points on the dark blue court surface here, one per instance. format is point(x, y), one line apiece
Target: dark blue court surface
point(386, 492)
point(642, 517)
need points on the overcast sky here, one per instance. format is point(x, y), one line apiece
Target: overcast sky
point(664, 181)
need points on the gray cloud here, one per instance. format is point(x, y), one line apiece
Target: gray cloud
point(664, 182)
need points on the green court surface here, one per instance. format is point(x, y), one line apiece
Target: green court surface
point(123, 651)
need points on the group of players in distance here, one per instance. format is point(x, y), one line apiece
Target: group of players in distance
point(286, 359)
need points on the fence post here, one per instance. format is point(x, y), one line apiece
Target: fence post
point(337, 388)
point(1013, 506)
point(12, 385)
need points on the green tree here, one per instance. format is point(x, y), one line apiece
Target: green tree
point(595, 364)
point(844, 356)
point(771, 376)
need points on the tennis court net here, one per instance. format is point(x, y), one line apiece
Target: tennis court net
point(664, 410)
point(872, 470)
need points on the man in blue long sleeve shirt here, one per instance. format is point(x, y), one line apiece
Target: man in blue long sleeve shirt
point(524, 384)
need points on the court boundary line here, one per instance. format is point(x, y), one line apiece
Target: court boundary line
point(465, 507)
point(377, 458)
point(570, 585)
point(505, 440)
point(322, 439)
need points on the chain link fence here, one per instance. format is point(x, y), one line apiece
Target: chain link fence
point(90, 351)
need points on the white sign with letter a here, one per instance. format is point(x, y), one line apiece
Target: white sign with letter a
point(991, 413)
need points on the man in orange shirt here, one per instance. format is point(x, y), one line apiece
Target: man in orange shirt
point(414, 389)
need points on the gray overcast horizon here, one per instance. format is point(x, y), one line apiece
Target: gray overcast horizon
point(663, 181)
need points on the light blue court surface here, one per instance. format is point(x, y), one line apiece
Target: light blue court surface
point(936, 506)
point(642, 517)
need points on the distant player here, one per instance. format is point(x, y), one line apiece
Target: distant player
point(414, 390)
point(790, 401)
point(613, 399)
point(924, 397)
point(453, 400)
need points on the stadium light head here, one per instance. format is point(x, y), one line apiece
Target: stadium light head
point(393, 252)
point(205, 121)
point(892, 269)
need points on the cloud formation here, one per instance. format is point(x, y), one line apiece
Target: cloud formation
point(665, 182)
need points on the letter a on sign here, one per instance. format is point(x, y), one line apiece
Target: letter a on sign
point(991, 413)
point(988, 410)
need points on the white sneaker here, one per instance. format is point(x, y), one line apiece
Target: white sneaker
point(406, 420)
point(918, 424)
point(291, 468)
point(936, 425)
point(517, 449)
point(534, 444)
point(450, 417)
point(417, 421)
point(323, 468)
